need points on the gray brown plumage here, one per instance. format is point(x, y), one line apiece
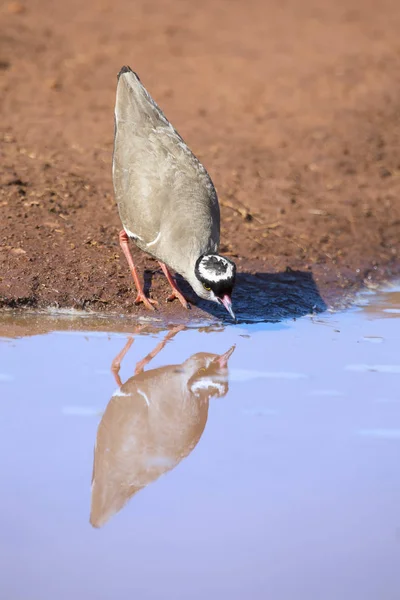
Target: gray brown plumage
point(151, 423)
point(166, 199)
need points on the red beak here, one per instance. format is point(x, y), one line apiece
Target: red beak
point(227, 302)
point(223, 359)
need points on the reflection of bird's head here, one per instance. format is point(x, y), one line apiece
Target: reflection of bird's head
point(209, 374)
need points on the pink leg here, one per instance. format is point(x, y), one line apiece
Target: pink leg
point(116, 363)
point(176, 292)
point(145, 361)
point(124, 243)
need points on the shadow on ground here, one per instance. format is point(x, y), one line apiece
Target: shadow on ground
point(269, 297)
point(257, 298)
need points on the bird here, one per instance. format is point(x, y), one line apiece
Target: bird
point(166, 199)
point(153, 421)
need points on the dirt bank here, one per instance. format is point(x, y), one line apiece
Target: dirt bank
point(293, 107)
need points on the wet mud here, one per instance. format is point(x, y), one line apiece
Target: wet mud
point(292, 108)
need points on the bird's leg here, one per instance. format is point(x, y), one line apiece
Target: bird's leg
point(141, 297)
point(116, 363)
point(176, 292)
point(145, 361)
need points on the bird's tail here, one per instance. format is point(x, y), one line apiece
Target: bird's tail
point(134, 105)
point(126, 69)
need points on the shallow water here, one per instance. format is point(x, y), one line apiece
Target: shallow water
point(274, 477)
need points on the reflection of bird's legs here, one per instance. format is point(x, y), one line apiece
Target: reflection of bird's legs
point(116, 363)
point(145, 361)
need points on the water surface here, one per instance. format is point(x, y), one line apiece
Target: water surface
point(251, 461)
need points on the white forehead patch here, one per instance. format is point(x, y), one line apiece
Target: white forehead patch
point(206, 383)
point(215, 268)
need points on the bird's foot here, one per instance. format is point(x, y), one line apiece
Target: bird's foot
point(176, 294)
point(148, 302)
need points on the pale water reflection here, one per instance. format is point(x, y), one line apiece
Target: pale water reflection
point(151, 423)
point(270, 471)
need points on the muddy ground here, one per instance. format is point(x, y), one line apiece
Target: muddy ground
point(293, 107)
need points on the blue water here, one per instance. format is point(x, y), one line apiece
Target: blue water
point(276, 479)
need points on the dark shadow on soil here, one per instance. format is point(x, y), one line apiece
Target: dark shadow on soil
point(269, 297)
point(148, 280)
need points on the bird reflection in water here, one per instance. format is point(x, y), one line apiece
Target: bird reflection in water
point(151, 423)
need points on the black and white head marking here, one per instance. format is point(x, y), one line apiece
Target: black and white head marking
point(213, 267)
point(209, 385)
point(216, 273)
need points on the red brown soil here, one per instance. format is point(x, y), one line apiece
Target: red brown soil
point(293, 107)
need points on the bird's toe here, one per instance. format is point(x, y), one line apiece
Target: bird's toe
point(178, 296)
point(148, 302)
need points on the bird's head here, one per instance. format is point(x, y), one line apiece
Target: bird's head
point(214, 279)
point(209, 374)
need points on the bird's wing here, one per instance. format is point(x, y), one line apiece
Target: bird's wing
point(156, 176)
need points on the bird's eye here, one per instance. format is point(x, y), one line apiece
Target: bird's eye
point(202, 370)
point(206, 287)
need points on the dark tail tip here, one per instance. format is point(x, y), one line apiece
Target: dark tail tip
point(126, 69)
